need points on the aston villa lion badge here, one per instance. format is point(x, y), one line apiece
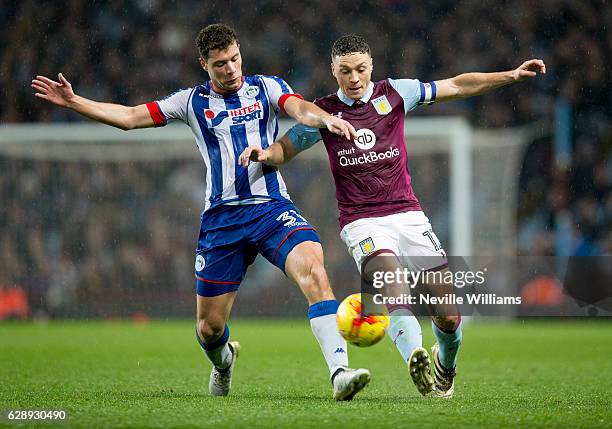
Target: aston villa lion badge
point(382, 105)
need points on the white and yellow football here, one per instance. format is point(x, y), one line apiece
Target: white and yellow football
point(361, 329)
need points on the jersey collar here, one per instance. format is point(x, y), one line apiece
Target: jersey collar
point(349, 101)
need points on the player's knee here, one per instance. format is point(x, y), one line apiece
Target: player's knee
point(446, 323)
point(210, 328)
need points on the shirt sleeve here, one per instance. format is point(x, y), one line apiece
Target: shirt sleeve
point(278, 92)
point(303, 137)
point(414, 92)
point(174, 106)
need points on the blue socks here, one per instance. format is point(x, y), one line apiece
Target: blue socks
point(449, 342)
point(404, 330)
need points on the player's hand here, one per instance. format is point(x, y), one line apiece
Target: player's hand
point(529, 69)
point(59, 93)
point(252, 153)
point(340, 127)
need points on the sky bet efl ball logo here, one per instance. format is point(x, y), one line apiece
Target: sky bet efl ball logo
point(366, 139)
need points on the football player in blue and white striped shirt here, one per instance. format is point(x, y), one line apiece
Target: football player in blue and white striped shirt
point(247, 209)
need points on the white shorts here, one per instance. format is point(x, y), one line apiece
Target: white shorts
point(408, 235)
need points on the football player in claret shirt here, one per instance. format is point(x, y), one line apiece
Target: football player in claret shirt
point(247, 209)
point(382, 222)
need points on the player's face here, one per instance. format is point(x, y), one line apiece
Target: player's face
point(353, 73)
point(224, 67)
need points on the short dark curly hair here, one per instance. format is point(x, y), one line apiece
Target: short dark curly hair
point(215, 36)
point(349, 44)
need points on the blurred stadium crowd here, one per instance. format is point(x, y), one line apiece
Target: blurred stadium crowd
point(110, 237)
point(132, 51)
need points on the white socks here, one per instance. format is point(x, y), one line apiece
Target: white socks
point(322, 317)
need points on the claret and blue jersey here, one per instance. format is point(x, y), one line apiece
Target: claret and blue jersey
point(247, 210)
point(371, 173)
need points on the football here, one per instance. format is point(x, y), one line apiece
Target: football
point(359, 324)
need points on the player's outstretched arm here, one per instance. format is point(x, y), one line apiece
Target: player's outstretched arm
point(311, 115)
point(61, 94)
point(280, 152)
point(297, 139)
point(471, 84)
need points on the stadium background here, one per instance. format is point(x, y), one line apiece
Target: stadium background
point(107, 240)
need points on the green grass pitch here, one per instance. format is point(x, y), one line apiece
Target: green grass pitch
point(524, 374)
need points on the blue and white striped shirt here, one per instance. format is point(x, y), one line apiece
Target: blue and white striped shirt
point(223, 126)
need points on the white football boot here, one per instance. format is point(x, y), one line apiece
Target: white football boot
point(221, 380)
point(444, 378)
point(419, 366)
point(349, 382)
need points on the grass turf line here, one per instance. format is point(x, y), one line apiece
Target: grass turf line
point(527, 374)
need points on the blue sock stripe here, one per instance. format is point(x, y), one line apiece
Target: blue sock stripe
point(216, 344)
point(200, 339)
point(323, 308)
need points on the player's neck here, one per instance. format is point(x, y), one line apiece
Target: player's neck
point(364, 98)
point(224, 91)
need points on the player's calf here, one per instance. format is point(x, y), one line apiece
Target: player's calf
point(447, 330)
point(404, 329)
point(304, 266)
